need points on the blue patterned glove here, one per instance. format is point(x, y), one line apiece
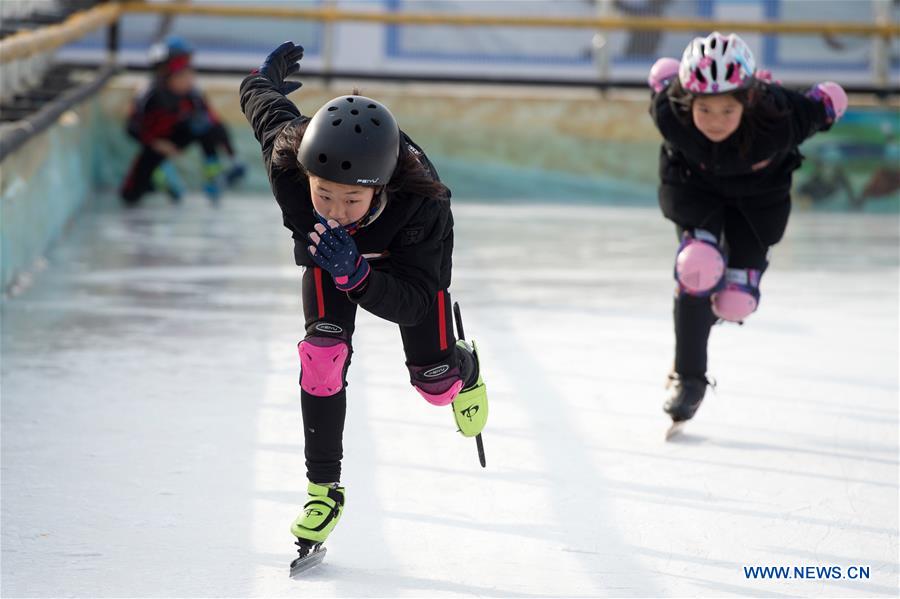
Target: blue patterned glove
point(335, 251)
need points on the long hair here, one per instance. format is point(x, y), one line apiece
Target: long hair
point(410, 176)
point(761, 112)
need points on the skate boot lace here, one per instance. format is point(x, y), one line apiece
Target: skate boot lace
point(710, 381)
point(304, 547)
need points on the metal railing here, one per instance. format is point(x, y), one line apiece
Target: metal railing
point(17, 49)
point(331, 14)
point(882, 30)
point(25, 56)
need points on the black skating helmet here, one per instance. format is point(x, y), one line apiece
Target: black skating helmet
point(352, 140)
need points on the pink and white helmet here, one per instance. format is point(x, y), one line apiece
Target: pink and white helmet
point(716, 64)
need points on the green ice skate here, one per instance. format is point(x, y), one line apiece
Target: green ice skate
point(320, 515)
point(470, 407)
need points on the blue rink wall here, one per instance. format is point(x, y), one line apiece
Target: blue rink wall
point(45, 183)
point(500, 145)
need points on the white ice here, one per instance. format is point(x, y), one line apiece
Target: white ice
point(151, 440)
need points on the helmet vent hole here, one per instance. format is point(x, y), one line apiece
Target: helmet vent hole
point(372, 106)
point(350, 100)
point(336, 122)
point(700, 76)
point(724, 46)
point(729, 71)
point(323, 158)
point(376, 122)
point(358, 129)
point(712, 43)
point(346, 165)
point(713, 70)
point(332, 108)
point(354, 112)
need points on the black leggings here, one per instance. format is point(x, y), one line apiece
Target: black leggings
point(140, 175)
point(747, 229)
point(330, 313)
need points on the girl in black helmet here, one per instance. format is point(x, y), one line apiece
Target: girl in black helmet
point(372, 227)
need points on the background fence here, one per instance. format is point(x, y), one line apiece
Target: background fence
point(564, 53)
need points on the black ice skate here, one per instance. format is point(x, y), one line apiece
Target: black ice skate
point(684, 400)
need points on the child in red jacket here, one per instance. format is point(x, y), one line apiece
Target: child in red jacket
point(168, 117)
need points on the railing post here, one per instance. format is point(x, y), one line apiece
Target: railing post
point(112, 40)
point(881, 10)
point(600, 45)
point(328, 43)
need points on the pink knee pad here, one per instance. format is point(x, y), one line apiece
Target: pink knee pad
point(740, 297)
point(442, 398)
point(439, 384)
point(699, 264)
point(322, 361)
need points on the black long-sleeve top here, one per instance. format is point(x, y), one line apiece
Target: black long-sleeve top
point(157, 112)
point(688, 157)
point(413, 233)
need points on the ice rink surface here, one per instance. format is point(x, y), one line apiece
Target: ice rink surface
point(151, 441)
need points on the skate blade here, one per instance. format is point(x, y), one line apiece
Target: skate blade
point(676, 429)
point(302, 564)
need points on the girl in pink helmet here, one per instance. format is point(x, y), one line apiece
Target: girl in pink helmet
point(730, 138)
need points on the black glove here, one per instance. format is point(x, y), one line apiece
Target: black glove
point(280, 64)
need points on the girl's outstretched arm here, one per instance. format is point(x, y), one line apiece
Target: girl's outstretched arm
point(271, 114)
point(263, 97)
point(810, 112)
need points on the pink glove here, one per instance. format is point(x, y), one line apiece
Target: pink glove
point(661, 72)
point(765, 75)
point(832, 96)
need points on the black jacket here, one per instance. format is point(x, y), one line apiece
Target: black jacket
point(414, 234)
point(688, 158)
point(157, 112)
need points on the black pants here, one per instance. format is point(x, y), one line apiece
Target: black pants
point(747, 228)
point(140, 175)
point(329, 313)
